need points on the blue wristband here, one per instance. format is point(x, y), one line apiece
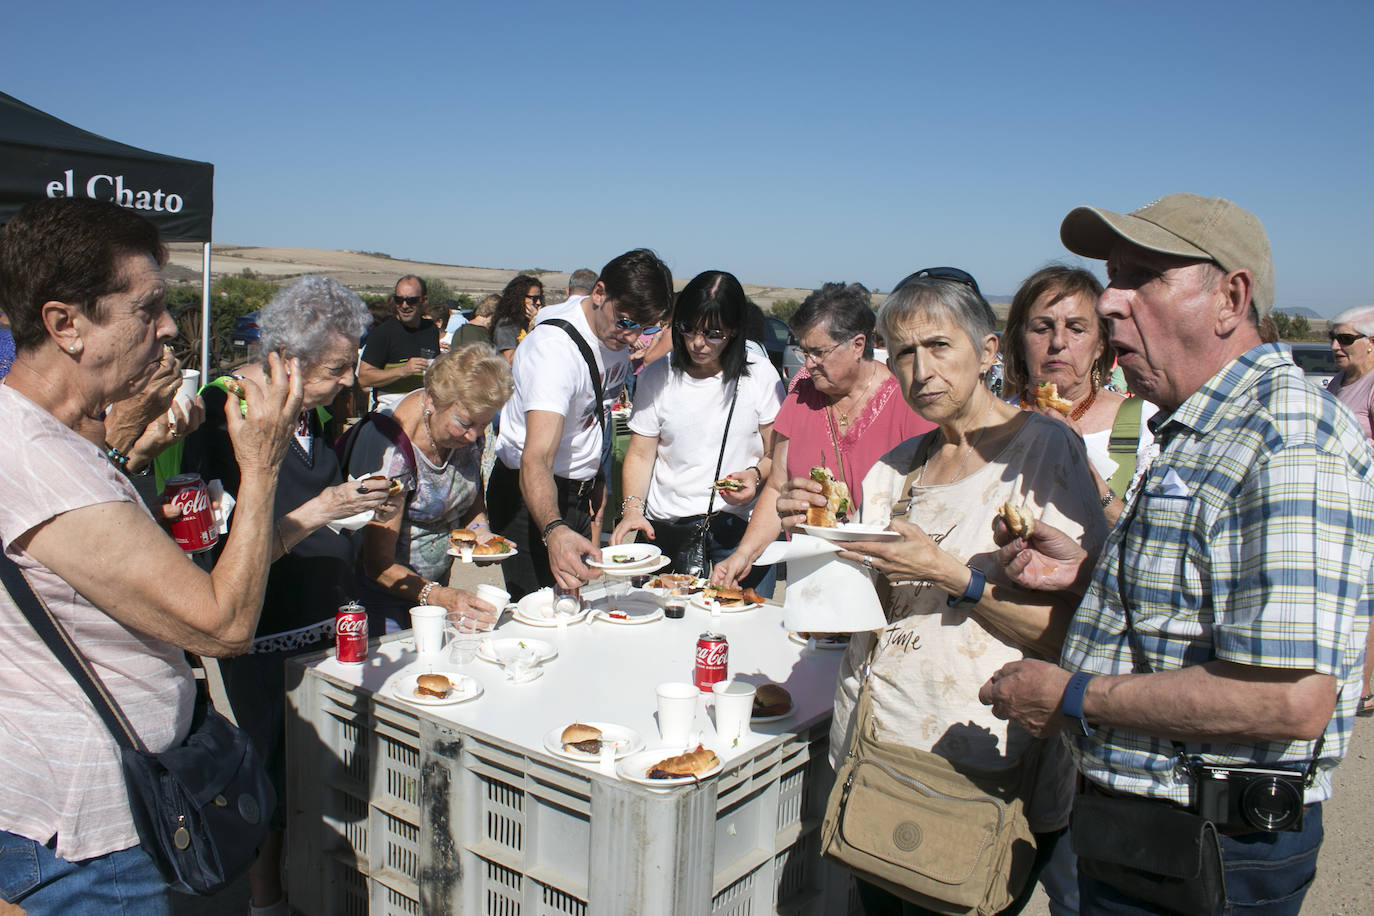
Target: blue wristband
point(976, 583)
point(1072, 704)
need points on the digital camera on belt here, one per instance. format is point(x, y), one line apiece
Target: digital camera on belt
point(1249, 798)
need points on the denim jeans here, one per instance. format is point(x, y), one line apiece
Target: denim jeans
point(124, 883)
point(1266, 873)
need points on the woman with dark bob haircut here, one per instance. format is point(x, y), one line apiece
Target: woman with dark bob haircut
point(712, 390)
point(521, 300)
point(1054, 335)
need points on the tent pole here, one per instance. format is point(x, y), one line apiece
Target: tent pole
point(205, 314)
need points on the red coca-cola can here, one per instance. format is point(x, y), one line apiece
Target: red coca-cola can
point(194, 529)
point(350, 634)
point(713, 660)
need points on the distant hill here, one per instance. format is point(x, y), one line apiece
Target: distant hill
point(1300, 310)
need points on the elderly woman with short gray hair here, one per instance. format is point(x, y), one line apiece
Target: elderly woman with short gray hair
point(318, 321)
point(952, 621)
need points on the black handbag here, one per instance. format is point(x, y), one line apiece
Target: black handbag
point(202, 808)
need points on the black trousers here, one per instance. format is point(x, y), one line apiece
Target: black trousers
point(528, 571)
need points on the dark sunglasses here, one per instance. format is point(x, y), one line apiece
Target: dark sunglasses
point(535, 299)
point(942, 273)
point(407, 300)
point(1344, 340)
point(715, 336)
point(629, 324)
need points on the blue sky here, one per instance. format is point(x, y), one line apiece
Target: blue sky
point(789, 143)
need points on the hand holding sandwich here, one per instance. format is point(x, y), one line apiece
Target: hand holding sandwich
point(1046, 560)
point(740, 488)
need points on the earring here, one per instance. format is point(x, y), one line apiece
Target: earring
point(428, 414)
point(72, 348)
point(1097, 377)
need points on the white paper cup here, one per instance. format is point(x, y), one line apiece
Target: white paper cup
point(491, 594)
point(677, 711)
point(190, 384)
point(734, 706)
point(427, 622)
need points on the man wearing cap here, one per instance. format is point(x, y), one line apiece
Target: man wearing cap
point(1222, 628)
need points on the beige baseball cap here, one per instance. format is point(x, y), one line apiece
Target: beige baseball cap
point(1187, 225)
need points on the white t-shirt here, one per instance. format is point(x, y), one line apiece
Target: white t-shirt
point(550, 374)
point(933, 657)
point(551, 311)
point(688, 417)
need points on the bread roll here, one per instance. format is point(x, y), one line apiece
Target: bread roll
point(692, 763)
point(432, 685)
point(771, 700)
point(1047, 396)
point(584, 738)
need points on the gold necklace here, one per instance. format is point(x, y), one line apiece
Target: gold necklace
point(978, 437)
point(424, 416)
point(844, 415)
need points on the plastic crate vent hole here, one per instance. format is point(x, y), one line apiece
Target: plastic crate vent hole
point(351, 754)
point(402, 770)
point(791, 876)
point(791, 798)
point(399, 904)
point(402, 847)
point(349, 820)
point(554, 902)
point(505, 815)
point(348, 890)
point(501, 891)
point(737, 899)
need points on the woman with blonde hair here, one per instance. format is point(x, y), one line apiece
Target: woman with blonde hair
point(433, 444)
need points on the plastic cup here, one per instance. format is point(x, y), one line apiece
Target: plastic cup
point(677, 711)
point(190, 384)
point(734, 706)
point(491, 594)
point(463, 649)
point(427, 623)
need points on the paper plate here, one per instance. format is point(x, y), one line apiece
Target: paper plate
point(829, 643)
point(635, 611)
point(465, 688)
point(636, 767)
point(851, 532)
point(764, 720)
point(700, 601)
point(627, 556)
point(628, 741)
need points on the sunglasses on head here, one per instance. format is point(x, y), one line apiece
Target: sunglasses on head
point(406, 300)
point(1344, 340)
point(712, 336)
point(942, 273)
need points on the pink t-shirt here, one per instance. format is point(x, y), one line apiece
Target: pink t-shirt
point(886, 422)
point(62, 772)
point(1358, 396)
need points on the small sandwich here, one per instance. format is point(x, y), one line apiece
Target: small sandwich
point(395, 486)
point(585, 739)
point(837, 502)
point(493, 548)
point(728, 483)
point(459, 538)
point(1047, 396)
point(730, 595)
point(432, 685)
point(235, 387)
point(1019, 520)
point(692, 763)
point(771, 700)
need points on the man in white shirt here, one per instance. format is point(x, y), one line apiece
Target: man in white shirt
point(546, 480)
point(580, 283)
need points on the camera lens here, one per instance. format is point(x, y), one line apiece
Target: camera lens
point(1271, 803)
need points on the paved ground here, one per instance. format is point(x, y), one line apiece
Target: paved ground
point(1343, 886)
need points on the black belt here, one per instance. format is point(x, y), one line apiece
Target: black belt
point(576, 489)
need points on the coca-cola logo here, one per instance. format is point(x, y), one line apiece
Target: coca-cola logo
point(712, 654)
point(192, 500)
point(351, 626)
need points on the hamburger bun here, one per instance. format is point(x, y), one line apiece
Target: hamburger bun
point(1020, 521)
point(1047, 397)
point(837, 501)
point(583, 738)
point(462, 537)
point(492, 548)
point(432, 685)
point(692, 763)
point(728, 483)
point(771, 700)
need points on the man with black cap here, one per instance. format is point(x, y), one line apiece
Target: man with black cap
point(1209, 678)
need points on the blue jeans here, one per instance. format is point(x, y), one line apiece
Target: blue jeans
point(1266, 873)
point(115, 884)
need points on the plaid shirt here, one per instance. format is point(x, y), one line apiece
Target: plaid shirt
point(1251, 540)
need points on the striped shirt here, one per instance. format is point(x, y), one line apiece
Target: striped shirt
point(1250, 540)
point(62, 772)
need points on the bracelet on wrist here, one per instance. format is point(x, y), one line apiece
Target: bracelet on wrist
point(548, 529)
point(479, 525)
point(625, 503)
point(425, 591)
point(757, 473)
point(1107, 500)
point(117, 458)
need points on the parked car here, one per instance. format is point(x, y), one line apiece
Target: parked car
point(1316, 360)
point(244, 336)
point(781, 346)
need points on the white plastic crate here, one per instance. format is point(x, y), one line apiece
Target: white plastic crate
point(457, 820)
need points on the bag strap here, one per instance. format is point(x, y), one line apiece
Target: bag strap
point(387, 426)
point(720, 459)
point(590, 358)
point(1123, 443)
point(61, 645)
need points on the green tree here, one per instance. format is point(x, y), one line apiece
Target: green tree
point(1300, 328)
point(785, 308)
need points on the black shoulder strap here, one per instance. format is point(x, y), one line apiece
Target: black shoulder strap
point(386, 425)
point(591, 369)
point(62, 647)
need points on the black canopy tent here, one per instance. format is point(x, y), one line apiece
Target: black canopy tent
point(42, 156)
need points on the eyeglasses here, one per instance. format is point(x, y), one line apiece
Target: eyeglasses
point(816, 354)
point(942, 273)
point(712, 336)
point(535, 299)
point(406, 300)
point(1344, 340)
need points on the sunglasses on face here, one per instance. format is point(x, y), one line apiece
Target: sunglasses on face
point(535, 299)
point(406, 300)
point(953, 274)
point(1344, 340)
point(712, 336)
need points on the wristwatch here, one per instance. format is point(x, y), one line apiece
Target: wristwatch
point(976, 583)
point(1072, 704)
